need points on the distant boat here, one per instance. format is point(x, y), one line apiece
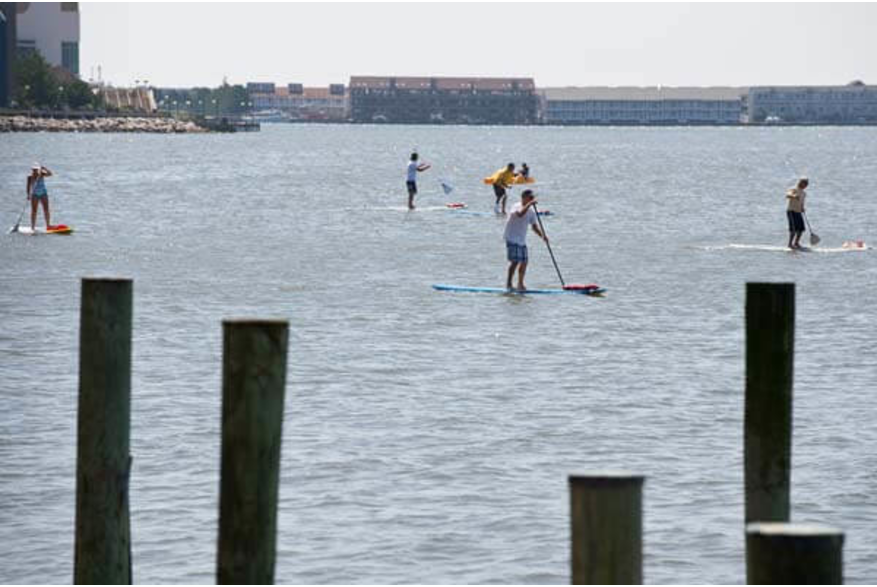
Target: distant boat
point(269, 116)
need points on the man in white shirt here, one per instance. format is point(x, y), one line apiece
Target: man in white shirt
point(411, 183)
point(522, 216)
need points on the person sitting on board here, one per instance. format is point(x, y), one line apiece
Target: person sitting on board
point(795, 212)
point(524, 172)
point(503, 178)
point(411, 183)
point(522, 216)
point(37, 193)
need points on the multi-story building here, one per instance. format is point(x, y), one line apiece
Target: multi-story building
point(643, 106)
point(7, 51)
point(52, 28)
point(296, 102)
point(855, 103)
point(260, 88)
point(443, 100)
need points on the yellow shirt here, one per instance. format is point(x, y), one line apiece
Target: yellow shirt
point(504, 177)
point(796, 197)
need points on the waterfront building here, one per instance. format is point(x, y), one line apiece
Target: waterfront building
point(52, 28)
point(296, 102)
point(7, 51)
point(855, 103)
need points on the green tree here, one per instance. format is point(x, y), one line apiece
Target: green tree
point(78, 95)
point(39, 85)
point(35, 86)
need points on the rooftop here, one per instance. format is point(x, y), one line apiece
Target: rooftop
point(443, 83)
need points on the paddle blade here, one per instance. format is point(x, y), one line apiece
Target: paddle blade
point(580, 286)
point(447, 188)
point(814, 238)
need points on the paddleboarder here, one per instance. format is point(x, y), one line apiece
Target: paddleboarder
point(525, 171)
point(795, 212)
point(37, 194)
point(522, 216)
point(413, 168)
point(502, 179)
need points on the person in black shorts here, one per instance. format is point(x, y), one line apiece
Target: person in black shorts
point(411, 183)
point(795, 212)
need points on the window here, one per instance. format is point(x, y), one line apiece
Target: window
point(25, 47)
point(70, 56)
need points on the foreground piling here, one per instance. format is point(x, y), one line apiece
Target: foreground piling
point(789, 554)
point(606, 516)
point(770, 344)
point(253, 387)
point(103, 536)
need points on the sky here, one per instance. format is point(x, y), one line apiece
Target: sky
point(563, 44)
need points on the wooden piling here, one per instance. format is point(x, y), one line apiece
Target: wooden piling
point(103, 462)
point(770, 344)
point(789, 554)
point(606, 516)
point(253, 388)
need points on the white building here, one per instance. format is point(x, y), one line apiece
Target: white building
point(643, 105)
point(855, 103)
point(52, 28)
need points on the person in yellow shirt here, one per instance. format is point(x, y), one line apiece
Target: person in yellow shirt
point(795, 212)
point(502, 179)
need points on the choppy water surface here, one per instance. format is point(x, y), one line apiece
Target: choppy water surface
point(428, 435)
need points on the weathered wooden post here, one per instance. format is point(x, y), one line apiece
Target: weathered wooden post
point(103, 462)
point(253, 387)
point(789, 554)
point(767, 453)
point(606, 515)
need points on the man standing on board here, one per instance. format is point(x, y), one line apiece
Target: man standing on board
point(522, 216)
point(795, 212)
point(502, 180)
point(413, 168)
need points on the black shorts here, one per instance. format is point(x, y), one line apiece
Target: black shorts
point(412, 187)
point(498, 190)
point(796, 221)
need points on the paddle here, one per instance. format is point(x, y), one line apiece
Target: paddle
point(20, 216)
point(814, 238)
point(577, 286)
point(550, 252)
point(447, 188)
point(26, 202)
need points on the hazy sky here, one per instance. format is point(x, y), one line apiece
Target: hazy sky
point(188, 44)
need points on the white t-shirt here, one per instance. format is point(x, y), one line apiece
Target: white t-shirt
point(516, 226)
point(412, 170)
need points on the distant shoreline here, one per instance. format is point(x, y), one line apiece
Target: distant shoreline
point(123, 124)
point(170, 125)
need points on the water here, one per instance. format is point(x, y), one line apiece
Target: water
point(428, 435)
